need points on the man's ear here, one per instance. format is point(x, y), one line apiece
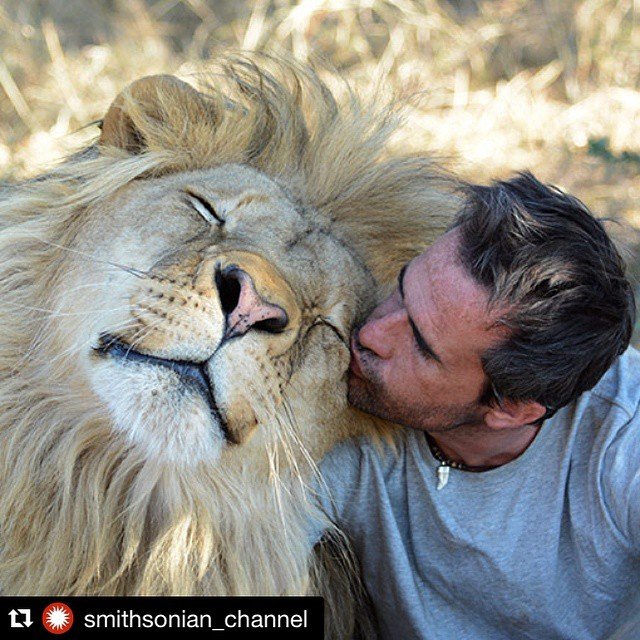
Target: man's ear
point(154, 113)
point(513, 414)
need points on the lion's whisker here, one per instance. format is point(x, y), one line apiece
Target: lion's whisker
point(296, 433)
point(138, 273)
point(41, 336)
point(276, 480)
point(140, 334)
point(79, 345)
point(286, 445)
point(51, 313)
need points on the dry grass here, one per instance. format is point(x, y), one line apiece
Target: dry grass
point(493, 85)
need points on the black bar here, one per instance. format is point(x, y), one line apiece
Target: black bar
point(219, 618)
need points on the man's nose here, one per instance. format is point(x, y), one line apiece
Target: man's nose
point(380, 334)
point(243, 306)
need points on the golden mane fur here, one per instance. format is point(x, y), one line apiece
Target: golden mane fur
point(82, 510)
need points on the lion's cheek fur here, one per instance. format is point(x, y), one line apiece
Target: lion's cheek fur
point(154, 412)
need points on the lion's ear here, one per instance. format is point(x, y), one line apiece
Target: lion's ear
point(145, 114)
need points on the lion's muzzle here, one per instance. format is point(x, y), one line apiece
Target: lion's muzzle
point(192, 374)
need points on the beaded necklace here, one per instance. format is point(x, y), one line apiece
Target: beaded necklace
point(448, 463)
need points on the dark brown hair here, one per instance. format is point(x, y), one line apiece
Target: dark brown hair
point(549, 263)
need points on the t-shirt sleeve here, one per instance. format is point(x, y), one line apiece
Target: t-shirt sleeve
point(332, 489)
point(622, 483)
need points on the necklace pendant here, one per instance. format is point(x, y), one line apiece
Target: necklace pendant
point(443, 476)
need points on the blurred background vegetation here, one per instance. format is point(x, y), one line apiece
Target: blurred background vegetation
point(495, 85)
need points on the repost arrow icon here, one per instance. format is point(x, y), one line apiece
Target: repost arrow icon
point(27, 617)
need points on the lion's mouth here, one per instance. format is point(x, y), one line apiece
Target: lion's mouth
point(193, 375)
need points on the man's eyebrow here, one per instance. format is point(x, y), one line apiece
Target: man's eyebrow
point(423, 345)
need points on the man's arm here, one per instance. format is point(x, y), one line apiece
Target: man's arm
point(621, 483)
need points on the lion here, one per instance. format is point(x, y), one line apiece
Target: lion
point(177, 301)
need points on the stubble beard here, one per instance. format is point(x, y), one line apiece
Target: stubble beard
point(371, 397)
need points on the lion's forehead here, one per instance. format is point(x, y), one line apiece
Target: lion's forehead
point(226, 182)
point(148, 213)
point(148, 226)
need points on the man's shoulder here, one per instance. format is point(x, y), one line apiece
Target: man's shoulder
point(367, 450)
point(607, 427)
point(606, 420)
point(372, 446)
point(356, 473)
point(620, 385)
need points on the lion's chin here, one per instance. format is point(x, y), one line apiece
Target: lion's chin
point(167, 420)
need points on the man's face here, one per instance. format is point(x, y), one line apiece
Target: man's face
point(416, 360)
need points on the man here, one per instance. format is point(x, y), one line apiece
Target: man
point(510, 507)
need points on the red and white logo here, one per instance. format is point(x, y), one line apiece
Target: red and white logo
point(57, 618)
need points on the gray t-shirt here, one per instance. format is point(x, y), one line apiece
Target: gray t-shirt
point(544, 547)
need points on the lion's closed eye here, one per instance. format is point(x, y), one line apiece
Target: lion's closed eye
point(324, 322)
point(204, 207)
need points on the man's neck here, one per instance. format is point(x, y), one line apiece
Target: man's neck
point(484, 447)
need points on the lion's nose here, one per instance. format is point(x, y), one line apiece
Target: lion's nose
point(243, 306)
